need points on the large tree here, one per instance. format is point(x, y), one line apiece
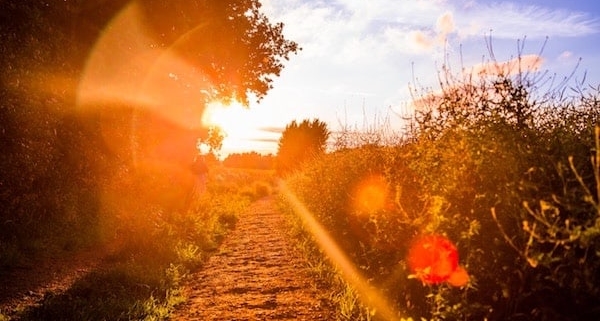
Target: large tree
point(301, 142)
point(88, 89)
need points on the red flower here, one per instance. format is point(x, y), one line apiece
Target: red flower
point(434, 259)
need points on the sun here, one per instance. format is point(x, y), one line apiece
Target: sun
point(227, 117)
point(237, 122)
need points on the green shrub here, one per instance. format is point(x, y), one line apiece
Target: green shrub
point(501, 175)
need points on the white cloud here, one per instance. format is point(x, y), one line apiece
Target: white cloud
point(445, 23)
point(565, 55)
point(350, 30)
point(419, 41)
point(346, 31)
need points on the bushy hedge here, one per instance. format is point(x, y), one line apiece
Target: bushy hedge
point(507, 178)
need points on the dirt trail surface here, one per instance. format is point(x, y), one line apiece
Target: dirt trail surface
point(257, 275)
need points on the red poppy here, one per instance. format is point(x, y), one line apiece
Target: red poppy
point(434, 259)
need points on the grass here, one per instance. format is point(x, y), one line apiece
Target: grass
point(129, 290)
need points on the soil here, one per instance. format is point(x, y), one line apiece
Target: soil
point(258, 274)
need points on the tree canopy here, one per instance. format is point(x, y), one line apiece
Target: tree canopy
point(231, 42)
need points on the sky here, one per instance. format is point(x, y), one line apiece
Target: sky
point(360, 57)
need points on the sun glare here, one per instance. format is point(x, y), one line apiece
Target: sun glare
point(239, 124)
point(232, 118)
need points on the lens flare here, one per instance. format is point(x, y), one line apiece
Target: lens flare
point(132, 81)
point(147, 100)
point(371, 194)
point(373, 213)
point(459, 277)
point(433, 259)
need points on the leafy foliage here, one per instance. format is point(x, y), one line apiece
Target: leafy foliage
point(232, 42)
point(214, 140)
point(144, 277)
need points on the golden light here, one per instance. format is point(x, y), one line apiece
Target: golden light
point(240, 124)
point(149, 101)
point(234, 119)
point(125, 68)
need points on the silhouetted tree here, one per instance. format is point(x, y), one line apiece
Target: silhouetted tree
point(300, 142)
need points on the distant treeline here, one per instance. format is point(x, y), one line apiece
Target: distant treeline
point(252, 160)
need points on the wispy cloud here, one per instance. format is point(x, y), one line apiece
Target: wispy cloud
point(265, 140)
point(511, 19)
point(276, 130)
point(524, 63)
point(347, 30)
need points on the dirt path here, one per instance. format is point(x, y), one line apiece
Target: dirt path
point(257, 275)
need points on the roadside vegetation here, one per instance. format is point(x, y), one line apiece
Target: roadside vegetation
point(504, 163)
point(143, 279)
point(505, 166)
point(300, 143)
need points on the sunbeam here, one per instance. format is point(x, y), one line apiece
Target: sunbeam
point(373, 298)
